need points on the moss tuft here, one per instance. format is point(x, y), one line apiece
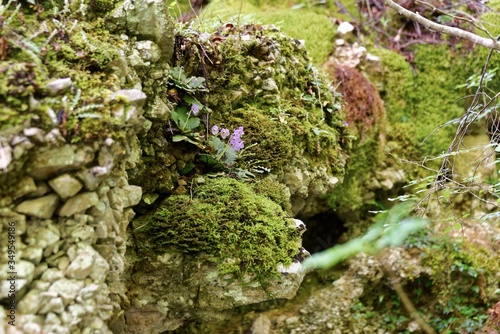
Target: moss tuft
point(244, 231)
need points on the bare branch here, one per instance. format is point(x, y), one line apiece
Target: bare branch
point(489, 43)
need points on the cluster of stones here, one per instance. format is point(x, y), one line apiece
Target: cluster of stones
point(70, 205)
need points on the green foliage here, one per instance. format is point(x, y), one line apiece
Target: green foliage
point(244, 231)
point(189, 84)
point(80, 50)
point(316, 30)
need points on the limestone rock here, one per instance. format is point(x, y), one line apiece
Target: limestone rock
point(35, 134)
point(25, 186)
point(67, 289)
point(42, 207)
point(51, 275)
point(33, 254)
point(41, 189)
point(5, 157)
point(31, 302)
point(149, 20)
point(65, 186)
point(261, 325)
point(8, 216)
point(59, 86)
point(158, 110)
point(135, 97)
point(79, 204)
point(57, 160)
point(345, 28)
point(88, 261)
point(148, 51)
point(51, 303)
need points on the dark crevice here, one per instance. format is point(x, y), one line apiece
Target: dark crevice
point(323, 231)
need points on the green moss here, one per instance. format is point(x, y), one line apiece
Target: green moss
point(81, 50)
point(419, 104)
point(316, 30)
point(275, 191)
point(262, 80)
point(244, 231)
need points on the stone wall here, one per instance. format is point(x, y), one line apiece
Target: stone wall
point(69, 206)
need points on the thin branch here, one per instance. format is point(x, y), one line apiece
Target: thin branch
point(489, 43)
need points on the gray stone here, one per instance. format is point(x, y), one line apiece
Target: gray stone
point(34, 134)
point(51, 275)
point(129, 115)
point(55, 137)
point(41, 189)
point(125, 197)
point(63, 263)
point(93, 177)
point(57, 160)
point(58, 86)
point(83, 233)
point(158, 110)
point(5, 156)
point(149, 20)
point(33, 254)
point(25, 186)
point(67, 289)
point(31, 302)
point(135, 97)
point(89, 291)
point(65, 186)
point(345, 28)
point(270, 85)
point(51, 303)
point(46, 236)
point(100, 268)
point(88, 261)
point(52, 319)
point(7, 216)
point(79, 204)
point(148, 51)
point(261, 325)
point(42, 207)
point(26, 270)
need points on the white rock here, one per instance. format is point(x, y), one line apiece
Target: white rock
point(89, 291)
point(58, 86)
point(51, 303)
point(51, 275)
point(31, 302)
point(5, 156)
point(67, 289)
point(65, 186)
point(345, 28)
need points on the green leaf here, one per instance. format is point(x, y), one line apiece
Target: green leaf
point(230, 156)
point(178, 138)
point(192, 123)
point(192, 100)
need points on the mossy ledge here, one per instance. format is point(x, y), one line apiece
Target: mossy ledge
point(245, 233)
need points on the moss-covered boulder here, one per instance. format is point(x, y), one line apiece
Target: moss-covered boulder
point(224, 245)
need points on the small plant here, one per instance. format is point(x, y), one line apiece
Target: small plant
point(189, 117)
point(225, 152)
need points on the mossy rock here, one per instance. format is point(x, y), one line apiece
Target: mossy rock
point(244, 231)
point(81, 51)
point(316, 30)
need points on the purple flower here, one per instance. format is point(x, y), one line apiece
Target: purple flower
point(215, 130)
point(195, 109)
point(224, 133)
point(235, 140)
